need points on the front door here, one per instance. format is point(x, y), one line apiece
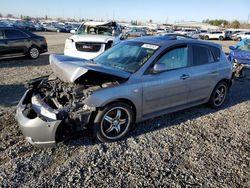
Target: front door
point(168, 89)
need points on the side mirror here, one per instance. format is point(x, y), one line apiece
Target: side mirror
point(72, 31)
point(232, 48)
point(159, 67)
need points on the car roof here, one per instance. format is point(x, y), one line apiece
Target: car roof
point(17, 28)
point(169, 40)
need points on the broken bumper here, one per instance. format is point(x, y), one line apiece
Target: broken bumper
point(37, 131)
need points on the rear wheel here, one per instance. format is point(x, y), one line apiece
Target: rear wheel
point(219, 95)
point(113, 122)
point(34, 52)
point(221, 38)
point(239, 39)
point(206, 37)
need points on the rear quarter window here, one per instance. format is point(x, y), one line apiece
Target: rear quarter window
point(216, 53)
point(202, 55)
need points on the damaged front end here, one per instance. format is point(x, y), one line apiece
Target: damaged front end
point(51, 110)
point(53, 106)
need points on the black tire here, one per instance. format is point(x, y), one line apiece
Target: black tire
point(206, 37)
point(239, 39)
point(109, 126)
point(221, 38)
point(34, 52)
point(218, 95)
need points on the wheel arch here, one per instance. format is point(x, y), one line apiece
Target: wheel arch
point(34, 45)
point(226, 80)
point(124, 100)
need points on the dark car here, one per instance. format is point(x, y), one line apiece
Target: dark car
point(25, 25)
point(240, 56)
point(16, 41)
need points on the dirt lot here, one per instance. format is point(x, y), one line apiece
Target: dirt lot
point(198, 147)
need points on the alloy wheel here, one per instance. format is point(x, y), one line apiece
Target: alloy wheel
point(115, 123)
point(220, 95)
point(34, 53)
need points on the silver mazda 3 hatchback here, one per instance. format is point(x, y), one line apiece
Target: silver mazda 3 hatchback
point(133, 81)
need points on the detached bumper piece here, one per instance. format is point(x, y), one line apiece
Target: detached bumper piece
point(39, 122)
point(37, 130)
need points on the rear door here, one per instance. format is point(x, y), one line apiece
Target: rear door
point(203, 72)
point(168, 89)
point(17, 41)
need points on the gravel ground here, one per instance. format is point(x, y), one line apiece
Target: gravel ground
point(198, 147)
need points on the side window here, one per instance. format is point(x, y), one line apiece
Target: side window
point(216, 53)
point(1, 35)
point(175, 58)
point(202, 55)
point(14, 34)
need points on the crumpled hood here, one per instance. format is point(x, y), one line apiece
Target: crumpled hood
point(241, 55)
point(92, 38)
point(68, 69)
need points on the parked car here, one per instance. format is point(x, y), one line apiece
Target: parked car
point(186, 31)
point(197, 34)
point(240, 56)
point(160, 30)
point(25, 25)
point(241, 35)
point(136, 32)
point(176, 35)
point(133, 81)
point(92, 39)
point(50, 27)
point(62, 29)
point(220, 35)
point(16, 41)
point(233, 34)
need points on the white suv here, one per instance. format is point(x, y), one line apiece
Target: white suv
point(92, 38)
point(213, 35)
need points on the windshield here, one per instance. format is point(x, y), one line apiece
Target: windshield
point(106, 30)
point(127, 56)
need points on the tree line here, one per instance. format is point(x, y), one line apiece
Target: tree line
point(224, 23)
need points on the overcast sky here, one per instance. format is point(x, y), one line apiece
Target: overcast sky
point(144, 10)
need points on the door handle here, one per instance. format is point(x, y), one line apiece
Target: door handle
point(184, 77)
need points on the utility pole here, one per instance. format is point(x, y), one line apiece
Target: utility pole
point(248, 18)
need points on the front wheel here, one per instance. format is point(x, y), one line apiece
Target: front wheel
point(34, 52)
point(113, 122)
point(218, 95)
